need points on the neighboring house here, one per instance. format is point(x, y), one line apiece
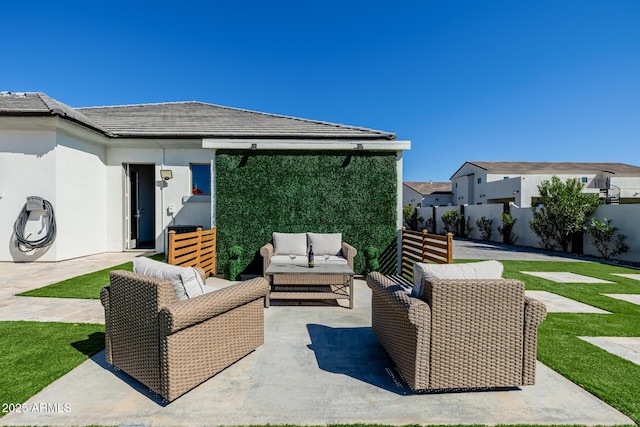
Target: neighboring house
point(426, 194)
point(477, 183)
point(119, 176)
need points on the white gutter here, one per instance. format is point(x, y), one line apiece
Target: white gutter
point(305, 144)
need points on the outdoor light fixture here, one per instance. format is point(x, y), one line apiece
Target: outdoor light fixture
point(359, 147)
point(254, 147)
point(166, 174)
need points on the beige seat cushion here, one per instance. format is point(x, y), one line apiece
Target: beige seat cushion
point(323, 243)
point(473, 270)
point(285, 242)
point(186, 281)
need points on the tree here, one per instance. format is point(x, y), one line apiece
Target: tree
point(604, 237)
point(562, 213)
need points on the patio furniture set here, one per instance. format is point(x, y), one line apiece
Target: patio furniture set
point(456, 326)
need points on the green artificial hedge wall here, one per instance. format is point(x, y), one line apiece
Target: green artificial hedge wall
point(259, 192)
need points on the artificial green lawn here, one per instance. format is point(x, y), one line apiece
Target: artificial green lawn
point(87, 286)
point(34, 354)
point(611, 378)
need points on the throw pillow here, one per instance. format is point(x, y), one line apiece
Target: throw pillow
point(326, 243)
point(161, 270)
point(285, 242)
point(192, 282)
point(473, 270)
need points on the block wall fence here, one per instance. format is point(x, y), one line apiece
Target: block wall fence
point(623, 216)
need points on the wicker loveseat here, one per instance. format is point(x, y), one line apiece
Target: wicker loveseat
point(172, 346)
point(462, 333)
point(330, 243)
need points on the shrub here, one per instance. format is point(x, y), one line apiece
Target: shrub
point(234, 267)
point(451, 220)
point(372, 263)
point(410, 216)
point(508, 222)
point(606, 238)
point(485, 226)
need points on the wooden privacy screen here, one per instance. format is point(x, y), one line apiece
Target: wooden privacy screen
point(422, 246)
point(194, 249)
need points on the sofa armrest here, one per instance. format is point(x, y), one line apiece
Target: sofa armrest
point(267, 252)
point(187, 313)
point(397, 299)
point(534, 313)
point(104, 299)
point(202, 273)
point(402, 324)
point(104, 296)
point(349, 253)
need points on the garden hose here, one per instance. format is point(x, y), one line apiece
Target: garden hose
point(25, 245)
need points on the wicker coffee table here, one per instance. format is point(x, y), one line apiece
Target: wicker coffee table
point(324, 281)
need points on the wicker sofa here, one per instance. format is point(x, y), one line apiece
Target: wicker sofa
point(172, 346)
point(462, 333)
point(331, 243)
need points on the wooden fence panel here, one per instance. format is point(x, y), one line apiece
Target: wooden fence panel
point(194, 249)
point(422, 246)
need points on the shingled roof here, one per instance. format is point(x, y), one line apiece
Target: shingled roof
point(556, 167)
point(426, 188)
point(39, 104)
point(185, 120)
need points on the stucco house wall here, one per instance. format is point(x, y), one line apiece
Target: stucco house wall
point(494, 182)
point(174, 193)
point(410, 196)
point(52, 162)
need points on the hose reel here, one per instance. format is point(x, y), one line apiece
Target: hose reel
point(34, 204)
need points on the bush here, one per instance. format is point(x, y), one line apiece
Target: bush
point(372, 263)
point(451, 220)
point(606, 238)
point(508, 222)
point(234, 267)
point(410, 216)
point(485, 226)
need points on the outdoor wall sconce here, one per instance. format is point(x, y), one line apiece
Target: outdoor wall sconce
point(254, 147)
point(166, 174)
point(359, 147)
point(419, 205)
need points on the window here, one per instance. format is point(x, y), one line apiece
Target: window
point(584, 179)
point(505, 177)
point(200, 179)
point(479, 180)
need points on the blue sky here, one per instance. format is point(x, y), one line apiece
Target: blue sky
point(463, 80)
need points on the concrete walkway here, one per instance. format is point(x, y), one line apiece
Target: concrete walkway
point(319, 365)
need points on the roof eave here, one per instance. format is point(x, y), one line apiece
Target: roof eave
point(305, 144)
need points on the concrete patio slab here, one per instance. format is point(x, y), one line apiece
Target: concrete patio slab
point(51, 310)
point(559, 304)
point(564, 277)
point(632, 298)
point(319, 365)
point(625, 347)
